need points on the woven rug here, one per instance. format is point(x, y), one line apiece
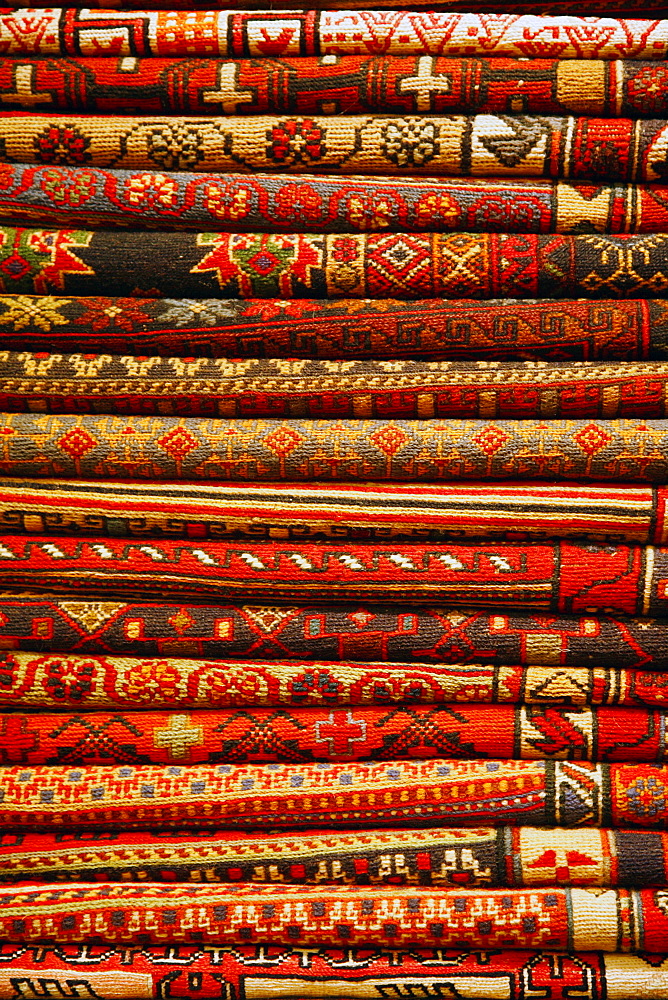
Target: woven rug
point(349, 85)
point(263, 387)
point(578, 329)
point(69, 680)
point(616, 920)
point(273, 634)
point(557, 576)
point(384, 265)
point(466, 793)
point(487, 857)
point(302, 735)
point(145, 971)
point(265, 34)
point(620, 149)
point(161, 448)
point(273, 202)
point(373, 511)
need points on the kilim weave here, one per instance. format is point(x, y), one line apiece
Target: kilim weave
point(350, 634)
point(467, 793)
point(338, 328)
point(373, 511)
point(262, 387)
point(447, 857)
point(299, 265)
point(556, 576)
point(620, 149)
point(303, 735)
point(308, 85)
point(60, 681)
point(255, 972)
point(161, 448)
point(267, 33)
point(271, 202)
point(610, 920)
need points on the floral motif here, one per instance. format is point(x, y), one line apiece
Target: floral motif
point(296, 140)
point(151, 190)
point(409, 142)
point(64, 144)
point(175, 146)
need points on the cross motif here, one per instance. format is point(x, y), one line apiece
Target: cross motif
point(178, 735)
point(227, 92)
point(425, 83)
point(340, 731)
point(23, 93)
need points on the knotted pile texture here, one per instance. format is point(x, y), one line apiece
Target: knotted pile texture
point(430, 329)
point(266, 34)
point(620, 149)
point(371, 511)
point(445, 857)
point(362, 84)
point(466, 793)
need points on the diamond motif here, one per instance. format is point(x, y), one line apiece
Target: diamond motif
point(178, 442)
point(282, 441)
point(591, 439)
point(490, 439)
point(76, 442)
point(389, 439)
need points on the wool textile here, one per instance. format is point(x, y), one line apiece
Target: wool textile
point(308, 265)
point(163, 448)
point(143, 971)
point(307, 85)
point(263, 387)
point(302, 735)
point(347, 635)
point(467, 793)
point(431, 329)
point(555, 576)
point(372, 511)
point(619, 149)
point(267, 33)
point(613, 920)
point(273, 202)
point(74, 681)
point(450, 857)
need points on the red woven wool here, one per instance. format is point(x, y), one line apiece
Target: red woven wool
point(143, 972)
point(617, 920)
point(252, 734)
point(559, 576)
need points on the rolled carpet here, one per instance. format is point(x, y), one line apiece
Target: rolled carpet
point(359, 84)
point(267, 33)
point(74, 681)
point(270, 387)
point(467, 793)
point(253, 734)
point(486, 857)
point(36, 445)
point(371, 511)
point(56, 195)
point(556, 576)
point(262, 971)
point(613, 920)
point(576, 330)
point(620, 149)
point(303, 265)
point(274, 636)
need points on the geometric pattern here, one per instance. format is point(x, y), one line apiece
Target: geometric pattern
point(302, 735)
point(500, 329)
point(558, 576)
point(619, 149)
point(283, 639)
point(271, 388)
point(311, 511)
point(442, 792)
point(85, 681)
point(609, 920)
point(333, 970)
point(56, 194)
point(359, 84)
point(339, 32)
point(454, 857)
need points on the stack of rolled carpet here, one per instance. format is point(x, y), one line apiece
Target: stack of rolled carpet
point(333, 496)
